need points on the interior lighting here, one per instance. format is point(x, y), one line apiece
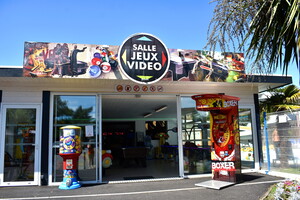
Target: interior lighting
point(147, 115)
point(160, 108)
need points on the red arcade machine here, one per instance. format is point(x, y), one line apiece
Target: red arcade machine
point(224, 136)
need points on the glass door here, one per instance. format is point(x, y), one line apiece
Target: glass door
point(80, 111)
point(195, 138)
point(246, 138)
point(19, 145)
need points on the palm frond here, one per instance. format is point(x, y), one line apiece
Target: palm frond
point(285, 98)
point(268, 29)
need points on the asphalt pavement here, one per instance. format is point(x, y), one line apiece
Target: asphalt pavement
point(252, 186)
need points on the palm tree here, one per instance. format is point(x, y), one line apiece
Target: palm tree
point(280, 99)
point(268, 29)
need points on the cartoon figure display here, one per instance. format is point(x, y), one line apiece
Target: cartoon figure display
point(70, 150)
point(224, 134)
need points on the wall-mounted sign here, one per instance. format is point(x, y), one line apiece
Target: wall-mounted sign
point(139, 88)
point(144, 58)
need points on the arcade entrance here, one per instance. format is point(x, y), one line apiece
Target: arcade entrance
point(139, 132)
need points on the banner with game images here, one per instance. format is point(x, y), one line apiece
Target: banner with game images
point(62, 60)
point(56, 60)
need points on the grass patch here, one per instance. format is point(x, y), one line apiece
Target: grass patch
point(270, 194)
point(289, 170)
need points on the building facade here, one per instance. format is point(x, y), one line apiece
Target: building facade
point(151, 131)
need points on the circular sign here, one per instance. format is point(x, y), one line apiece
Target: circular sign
point(152, 88)
point(144, 58)
point(145, 88)
point(136, 88)
point(119, 88)
point(127, 88)
point(160, 88)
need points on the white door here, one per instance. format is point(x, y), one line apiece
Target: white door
point(19, 144)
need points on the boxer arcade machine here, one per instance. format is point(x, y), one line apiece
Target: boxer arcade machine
point(224, 136)
point(70, 150)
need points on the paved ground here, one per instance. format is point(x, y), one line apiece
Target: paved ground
point(252, 187)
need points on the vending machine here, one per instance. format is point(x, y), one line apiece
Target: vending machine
point(224, 134)
point(70, 150)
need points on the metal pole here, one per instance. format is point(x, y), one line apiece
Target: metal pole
point(267, 142)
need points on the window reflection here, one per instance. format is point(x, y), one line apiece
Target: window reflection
point(246, 139)
point(20, 132)
point(196, 138)
point(78, 111)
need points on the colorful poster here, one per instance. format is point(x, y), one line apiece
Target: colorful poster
point(62, 60)
point(59, 60)
point(198, 65)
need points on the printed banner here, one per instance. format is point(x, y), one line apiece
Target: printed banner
point(62, 60)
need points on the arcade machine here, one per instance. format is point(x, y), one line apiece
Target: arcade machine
point(224, 136)
point(70, 150)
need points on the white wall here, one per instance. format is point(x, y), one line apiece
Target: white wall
point(22, 97)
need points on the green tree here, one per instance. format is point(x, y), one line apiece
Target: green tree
point(285, 98)
point(82, 115)
point(62, 110)
point(267, 29)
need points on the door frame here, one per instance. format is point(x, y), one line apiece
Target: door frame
point(50, 149)
point(99, 101)
point(37, 156)
point(254, 136)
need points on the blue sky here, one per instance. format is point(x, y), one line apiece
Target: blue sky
point(179, 24)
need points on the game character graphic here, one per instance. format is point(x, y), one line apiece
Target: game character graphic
point(57, 60)
point(73, 58)
point(63, 60)
point(196, 65)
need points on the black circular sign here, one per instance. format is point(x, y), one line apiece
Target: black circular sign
point(144, 58)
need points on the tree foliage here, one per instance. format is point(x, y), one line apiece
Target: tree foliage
point(286, 98)
point(267, 29)
point(66, 115)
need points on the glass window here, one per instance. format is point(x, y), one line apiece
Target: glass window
point(20, 129)
point(246, 138)
point(78, 111)
point(196, 138)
